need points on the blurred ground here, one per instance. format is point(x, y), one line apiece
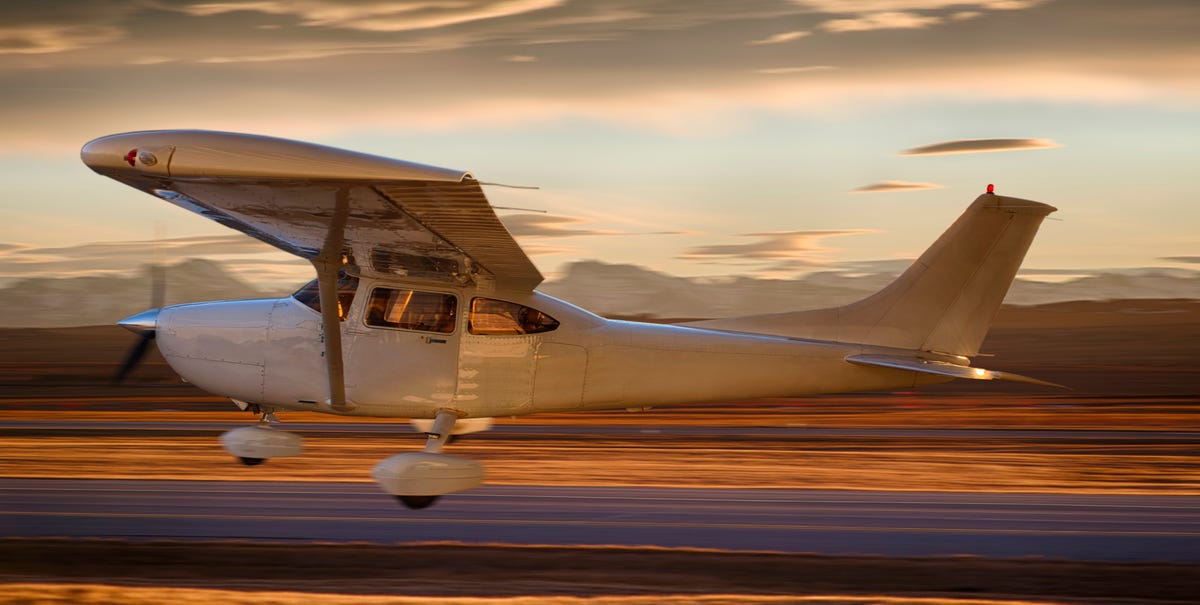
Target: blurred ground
point(1129, 426)
point(95, 571)
point(1057, 461)
point(1132, 365)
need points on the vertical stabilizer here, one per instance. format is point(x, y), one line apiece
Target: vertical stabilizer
point(946, 299)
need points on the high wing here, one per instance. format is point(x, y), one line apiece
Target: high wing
point(390, 217)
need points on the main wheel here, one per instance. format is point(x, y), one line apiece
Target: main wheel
point(417, 502)
point(251, 461)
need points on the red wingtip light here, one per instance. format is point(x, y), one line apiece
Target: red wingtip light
point(991, 188)
point(131, 157)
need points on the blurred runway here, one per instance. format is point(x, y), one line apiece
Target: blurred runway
point(385, 429)
point(1084, 527)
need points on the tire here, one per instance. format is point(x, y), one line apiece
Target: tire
point(417, 502)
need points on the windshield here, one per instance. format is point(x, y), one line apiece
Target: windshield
point(310, 294)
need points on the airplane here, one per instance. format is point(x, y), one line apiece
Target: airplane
point(424, 307)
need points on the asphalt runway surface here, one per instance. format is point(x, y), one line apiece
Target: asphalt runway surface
point(88, 427)
point(1079, 527)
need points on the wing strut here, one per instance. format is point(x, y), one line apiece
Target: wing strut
point(327, 264)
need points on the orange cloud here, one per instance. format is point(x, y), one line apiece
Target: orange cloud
point(770, 246)
point(47, 39)
point(873, 21)
point(886, 186)
point(379, 16)
point(980, 146)
point(780, 38)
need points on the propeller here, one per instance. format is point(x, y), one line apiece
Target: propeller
point(143, 324)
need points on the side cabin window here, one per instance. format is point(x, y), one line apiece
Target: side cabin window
point(412, 310)
point(498, 317)
point(310, 294)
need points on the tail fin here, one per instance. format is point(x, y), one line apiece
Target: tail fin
point(944, 302)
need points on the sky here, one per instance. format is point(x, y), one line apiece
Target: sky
point(766, 138)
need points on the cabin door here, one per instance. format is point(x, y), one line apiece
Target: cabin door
point(404, 351)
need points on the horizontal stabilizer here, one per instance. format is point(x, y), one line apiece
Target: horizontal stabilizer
point(943, 368)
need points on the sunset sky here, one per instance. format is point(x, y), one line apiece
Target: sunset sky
point(757, 137)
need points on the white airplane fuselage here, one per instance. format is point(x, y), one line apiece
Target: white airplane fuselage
point(271, 352)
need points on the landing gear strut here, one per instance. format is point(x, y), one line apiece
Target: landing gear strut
point(417, 479)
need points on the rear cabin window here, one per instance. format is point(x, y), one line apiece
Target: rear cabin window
point(310, 294)
point(499, 317)
point(412, 310)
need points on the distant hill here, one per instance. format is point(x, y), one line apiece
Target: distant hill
point(629, 290)
point(98, 300)
point(607, 289)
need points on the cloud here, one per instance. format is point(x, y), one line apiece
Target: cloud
point(980, 146)
point(691, 110)
point(871, 15)
point(539, 249)
point(779, 71)
point(875, 6)
point(875, 21)
point(718, 86)
point(47, 39)
point(884, 266)
point(547, 225)
point(378, 16)
point(143, 249)
point(1182, 259)
point(771, 246)
point(780, 38)
point(895, 186)
point(520, 58)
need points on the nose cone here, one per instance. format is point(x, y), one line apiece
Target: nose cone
point(143, 323)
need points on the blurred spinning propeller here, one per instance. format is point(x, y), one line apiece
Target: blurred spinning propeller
point(143, 324)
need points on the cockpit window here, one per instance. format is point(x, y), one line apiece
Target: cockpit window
point(499, 317)
point(310, 294)
point(412, 310)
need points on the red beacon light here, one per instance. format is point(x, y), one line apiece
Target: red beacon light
point(991, 188)
point(131, 157)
